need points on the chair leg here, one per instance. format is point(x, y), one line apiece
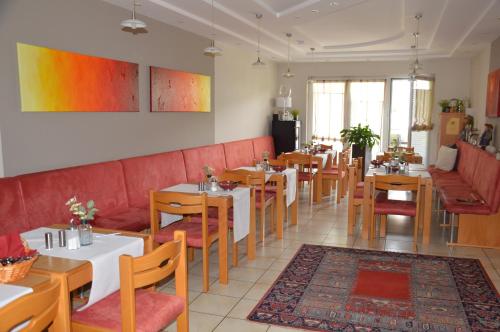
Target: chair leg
point(262, 223)
point(273, 216)
point(383, 225)
point(338, 191)
point(190, 252)
point(311, 192)
point(372, 227)
point(235, 253)
point(351, 217)
point(415, 231)
point(206, 268)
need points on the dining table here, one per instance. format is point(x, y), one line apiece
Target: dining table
point(72, 273)
point(288, 191)
point(243, 220)
point(425, 213)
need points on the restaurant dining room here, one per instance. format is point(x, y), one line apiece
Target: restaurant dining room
point(250, 165)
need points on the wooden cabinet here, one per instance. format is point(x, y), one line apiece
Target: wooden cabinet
point(493, 96)
point(451, 126)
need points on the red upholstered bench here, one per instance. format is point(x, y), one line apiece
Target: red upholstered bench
point(120, 189)
point(473, 193)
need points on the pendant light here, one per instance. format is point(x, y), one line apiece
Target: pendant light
point(212, 50)
point(259, 62)
point(133, 23)
point(312, 53)
point(288, 73)
point(416, 66)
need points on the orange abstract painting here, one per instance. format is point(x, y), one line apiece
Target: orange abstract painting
point(179, 91)
point(58, 81)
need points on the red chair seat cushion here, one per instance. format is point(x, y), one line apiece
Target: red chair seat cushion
point(153, 310)
point(193, 232)
point(305, 176)
point(133, 219)
point(359, 193)
point(268, 196)
point(384, 205)
point(451, 198)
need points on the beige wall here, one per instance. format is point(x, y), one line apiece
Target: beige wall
point(452, 81)
point(495, 64)
point(480, 67)
point(243, 95)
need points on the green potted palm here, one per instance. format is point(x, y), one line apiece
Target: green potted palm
point(362, 139)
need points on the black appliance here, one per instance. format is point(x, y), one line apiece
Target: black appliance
point(286, 135)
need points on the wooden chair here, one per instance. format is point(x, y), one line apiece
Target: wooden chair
point(338, 175)
point(135, 307)
point(39, 307)
point(383, 206)
point(243, 180)
point(305, 171)
point(199, 235)
point(263, 198)
point(355, 196)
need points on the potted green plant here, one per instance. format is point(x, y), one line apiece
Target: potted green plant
point(362, 139)
point(445, 105)
point(295, 114)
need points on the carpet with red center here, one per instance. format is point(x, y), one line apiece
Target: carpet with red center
point(341, 289)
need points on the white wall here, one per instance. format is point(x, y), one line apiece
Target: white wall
point(452, 81)
point(480, 67)
point(243, 95)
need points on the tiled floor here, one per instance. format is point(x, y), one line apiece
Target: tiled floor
point(225, 307)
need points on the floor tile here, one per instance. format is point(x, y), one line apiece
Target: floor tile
point(245, 273)
point(257, 291)
point(235, 288)
point(243, 308)
point(239, 325)
point(213, 304)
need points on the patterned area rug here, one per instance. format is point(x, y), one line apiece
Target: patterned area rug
point(340, 289)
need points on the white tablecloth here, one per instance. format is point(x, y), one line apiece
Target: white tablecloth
point(415, 170)
point(241, 207)
point(291, 180)
point(9, 293)
point(104, 255)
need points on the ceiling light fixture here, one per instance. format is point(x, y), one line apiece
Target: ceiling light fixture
point(312, 53)
point(212, 50)
point(315, 11)
point(416, 66)
point(133, 23)
point(259, 62)
point(288, 73)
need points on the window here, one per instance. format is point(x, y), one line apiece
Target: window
point(367, 106)
point(328, 111)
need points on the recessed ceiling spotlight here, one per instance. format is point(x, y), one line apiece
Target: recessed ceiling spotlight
point(300, 42)
point(297, 17)
point(334, 3)
point(315, 11)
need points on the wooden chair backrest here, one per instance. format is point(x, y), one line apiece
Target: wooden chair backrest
point(138, 272)
point(326, 147)
point(175, 203)
point(360, 170)
point(410, 149)
point(298, 158)
point(241, 178)
point(397, 182)
point(353, 179)
point(256, 179)
point(273, 162)
point(40, 308)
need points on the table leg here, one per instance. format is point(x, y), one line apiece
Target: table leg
point(223, 273)
point(427, 216)
point(251, 244)
point(367, 213)
point(318, 187)
point(279, 207)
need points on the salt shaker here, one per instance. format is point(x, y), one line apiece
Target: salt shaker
point(48, 241)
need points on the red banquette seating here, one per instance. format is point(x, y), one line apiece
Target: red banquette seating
point(120, 188)
point(474, 188)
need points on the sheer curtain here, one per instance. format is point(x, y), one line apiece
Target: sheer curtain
point(328, 111)
point(367, 106)
point(422, 108)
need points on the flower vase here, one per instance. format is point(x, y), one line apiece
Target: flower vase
point(85, 233)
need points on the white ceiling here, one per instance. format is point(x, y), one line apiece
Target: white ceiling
point(340, 30)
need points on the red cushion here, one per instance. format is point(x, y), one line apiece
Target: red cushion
point(486, 178)
point(384, 205)
point(305, 176)
point(193, 230)
point(46, 193)
point(360, 184)
point(359, 193)
point(215, 220)
point(239, 153)
point(133, 219)
point(261, 144)
point(153, 310)
point(196, 158)
point(13, 217)
point(153, 172)
point(467, 161)
point(449, 196)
